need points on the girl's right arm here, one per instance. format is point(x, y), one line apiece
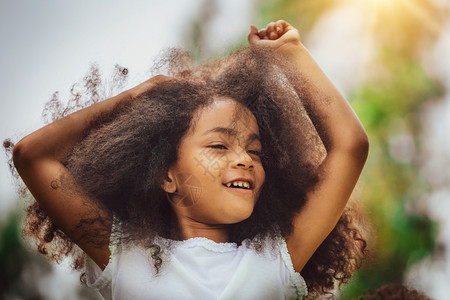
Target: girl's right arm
point(38, 159)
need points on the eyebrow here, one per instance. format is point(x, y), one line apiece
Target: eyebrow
point(232, 132)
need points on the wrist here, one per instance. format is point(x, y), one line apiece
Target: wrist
point(129, 94)
point(146, 85)
point(293, 51)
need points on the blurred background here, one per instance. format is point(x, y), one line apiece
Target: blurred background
point(390, 58)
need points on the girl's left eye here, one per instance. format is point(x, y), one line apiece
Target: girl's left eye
point(218, 146)
point(223, 147)
point(255, 152)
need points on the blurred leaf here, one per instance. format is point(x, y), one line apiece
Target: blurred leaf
point(301, 13)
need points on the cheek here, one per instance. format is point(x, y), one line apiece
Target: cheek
point(261, 180)
point(263, 177)
point(189, 190)
point(210, 166)
point(259, 170)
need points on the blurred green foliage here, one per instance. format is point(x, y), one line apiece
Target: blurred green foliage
point(387, 103)
point(24, 273)
point(9, 250)
point(388, 106)
point(17, 265)
point(303, 14)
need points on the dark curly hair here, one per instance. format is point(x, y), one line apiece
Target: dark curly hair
point(395, 291)
point(125, 155)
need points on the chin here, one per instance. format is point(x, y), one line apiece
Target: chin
point(239, 217)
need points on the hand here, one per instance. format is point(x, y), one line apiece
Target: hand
point(279, 35)
point(147, 85)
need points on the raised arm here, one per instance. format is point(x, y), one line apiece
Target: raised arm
point(38, 159)
point(339, 128)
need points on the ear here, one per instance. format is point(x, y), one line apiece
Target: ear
point(169, 185)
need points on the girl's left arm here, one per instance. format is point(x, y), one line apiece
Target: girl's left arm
point(344, 137)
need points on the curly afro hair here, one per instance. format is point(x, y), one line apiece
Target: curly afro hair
point(125, 155)
point(395, 291)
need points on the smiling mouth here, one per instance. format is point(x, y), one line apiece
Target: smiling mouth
point(236, 187)
point(239, 189)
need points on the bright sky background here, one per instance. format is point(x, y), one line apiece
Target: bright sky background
point(48, 45)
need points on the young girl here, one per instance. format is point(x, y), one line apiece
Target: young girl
point(224, 181)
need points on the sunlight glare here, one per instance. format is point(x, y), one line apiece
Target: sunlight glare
point(382, 4)
point(399, 22)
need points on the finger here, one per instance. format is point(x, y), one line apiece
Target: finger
point(253, 36)
point(271, 31)
point(263, 34)
point(279, 26)
point(285, 26)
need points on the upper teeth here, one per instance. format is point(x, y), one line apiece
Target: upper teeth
point(239, 183)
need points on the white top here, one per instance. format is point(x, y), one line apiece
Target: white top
point(199, 268)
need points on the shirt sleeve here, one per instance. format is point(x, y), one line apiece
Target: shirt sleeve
point(297, 285)
point(98, 279)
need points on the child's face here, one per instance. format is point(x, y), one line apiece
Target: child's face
point(222, 147)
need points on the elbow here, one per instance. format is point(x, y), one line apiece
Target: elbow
point(364, 147)
point(22, 155)
point(359, 145)
point(353, 143)
point(18, 155)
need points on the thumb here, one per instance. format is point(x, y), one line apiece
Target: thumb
point(253, 36)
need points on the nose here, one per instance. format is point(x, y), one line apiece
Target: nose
point(242, 160)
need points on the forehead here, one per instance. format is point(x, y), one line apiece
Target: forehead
point(225, 113)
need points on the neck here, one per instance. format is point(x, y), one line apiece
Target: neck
point(191, 228)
